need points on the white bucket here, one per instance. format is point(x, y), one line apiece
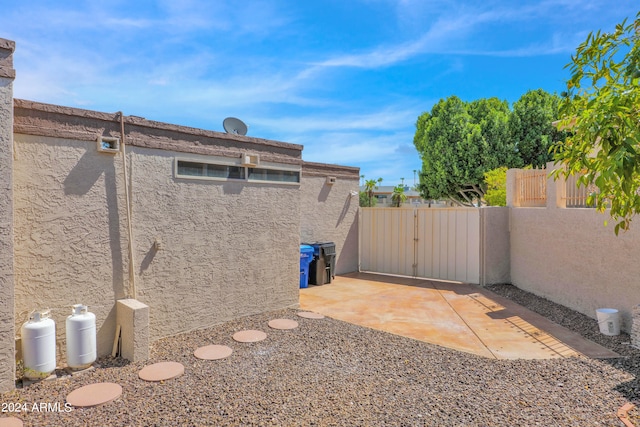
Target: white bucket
point(609, 321)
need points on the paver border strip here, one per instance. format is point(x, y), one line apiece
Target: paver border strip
point(623, 414)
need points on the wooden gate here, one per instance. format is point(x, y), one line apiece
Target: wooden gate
point(437, 243)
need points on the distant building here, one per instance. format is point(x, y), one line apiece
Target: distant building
point(384, 192)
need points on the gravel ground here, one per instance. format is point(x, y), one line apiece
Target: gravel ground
point(331, 373)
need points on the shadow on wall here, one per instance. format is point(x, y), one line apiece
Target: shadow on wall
point(232, 188)
point(148, 259)
point(324, 193)
point(106, 331)
point(227, 187)
point(79, 182)
point(347, 262)
point(345, 209)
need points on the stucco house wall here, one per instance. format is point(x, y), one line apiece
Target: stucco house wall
point(227, 249)
point(568, 256)
point(70, 232)
point(7, 327)
point(329, 210)
point(204, 251)
point(494, 245)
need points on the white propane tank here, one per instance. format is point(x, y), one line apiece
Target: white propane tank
point(39, 345)
point(81, 338)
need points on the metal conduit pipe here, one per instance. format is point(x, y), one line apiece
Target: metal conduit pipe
point(132, 279)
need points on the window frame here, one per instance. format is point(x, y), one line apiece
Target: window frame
point(232, 162)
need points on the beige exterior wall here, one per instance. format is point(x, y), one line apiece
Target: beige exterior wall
point(70, 232)
point(7, 327)
point(329, 213)
point(568, 256)
point(229, 249)
point(495, 261)
point(204, 251)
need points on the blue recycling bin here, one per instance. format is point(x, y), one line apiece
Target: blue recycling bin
point(306, 256)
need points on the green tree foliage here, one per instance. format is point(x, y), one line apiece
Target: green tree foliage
point(365, 201)
point(369, 186)
point(459, 142)
point(398, 197)
point(601, 109)
point(491, 123)
point(496, 194)
point(531, 128)
point(442, 139)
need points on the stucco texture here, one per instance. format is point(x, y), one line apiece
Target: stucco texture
point(570, 257)
point(494, 245)
point(7, 328)
point(329, 213)
point(227, 249)
point(204, 251)
point(70, 232)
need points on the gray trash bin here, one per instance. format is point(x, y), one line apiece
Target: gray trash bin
point(322, 268)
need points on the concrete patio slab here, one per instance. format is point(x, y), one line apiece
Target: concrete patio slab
point(464, 317)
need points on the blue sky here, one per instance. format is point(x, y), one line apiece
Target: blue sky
point(345, 78)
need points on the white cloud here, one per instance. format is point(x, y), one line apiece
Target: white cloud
point(386, 119)
point(350, 139)
point(536, 49)
point(55, 75)
point(348, 148)
point(240, 18)
point(452, 29)
point(196, 61)
point(119, 20)
point(434, 40)
point(111, 22)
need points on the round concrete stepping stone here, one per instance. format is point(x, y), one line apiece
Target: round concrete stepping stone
point(11, 422)
point(310, 315)
point(94, 394)
point(213, 352)
point(249, 336)
point(161, 371)
point(283, 324)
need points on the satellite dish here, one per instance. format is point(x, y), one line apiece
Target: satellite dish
point(235, 126)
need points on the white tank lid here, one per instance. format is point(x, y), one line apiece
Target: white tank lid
point(79, 309)
point(37, 316)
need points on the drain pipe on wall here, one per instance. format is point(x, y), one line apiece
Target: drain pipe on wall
point(131, 341)
point(132, 280)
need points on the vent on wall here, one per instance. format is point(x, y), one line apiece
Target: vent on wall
point(250, 160)
point(331, 180)
point(107, 144)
